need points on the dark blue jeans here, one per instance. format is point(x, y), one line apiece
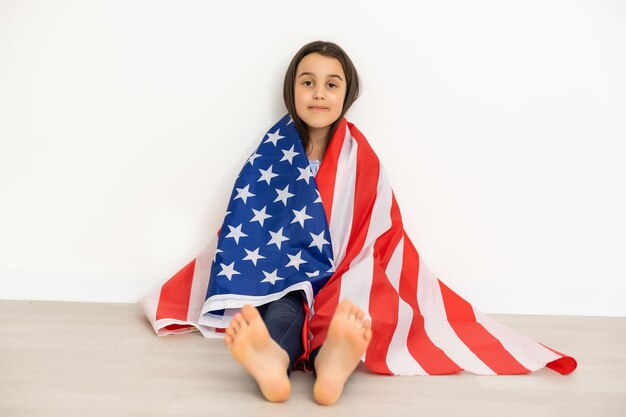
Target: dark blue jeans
point(284, 319)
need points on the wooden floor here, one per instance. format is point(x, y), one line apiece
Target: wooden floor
point(95, 359)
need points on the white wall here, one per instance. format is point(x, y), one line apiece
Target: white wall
point(124, 123)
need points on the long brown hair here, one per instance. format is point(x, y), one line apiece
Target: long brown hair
point(327, 49)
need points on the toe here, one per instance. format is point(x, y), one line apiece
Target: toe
point(228, 340)
point(344, 307)
point(360, 315)
point(367, 336)
point(353, 310)
point(367, 330)
point(250, 313)
point(230, 332)
point(239, 320)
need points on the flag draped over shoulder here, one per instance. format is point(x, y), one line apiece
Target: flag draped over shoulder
point(336, 236)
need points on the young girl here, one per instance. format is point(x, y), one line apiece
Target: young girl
point(320, 86)
point(365, 293)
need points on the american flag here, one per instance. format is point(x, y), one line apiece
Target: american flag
point(275, 236)
point(420, 326)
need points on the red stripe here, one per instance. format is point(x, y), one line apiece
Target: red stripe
point(564, 365)
point(364, 196)
point(485, 346)
point(175, 293)
point(383, 304)
point(431, 358)
point(327, 173)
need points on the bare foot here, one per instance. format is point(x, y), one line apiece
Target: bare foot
point(250, 344)
point(347, 340)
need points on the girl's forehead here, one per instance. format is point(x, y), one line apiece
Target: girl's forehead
point(320, 65)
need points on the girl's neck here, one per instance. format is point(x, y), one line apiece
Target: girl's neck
point(318, 141)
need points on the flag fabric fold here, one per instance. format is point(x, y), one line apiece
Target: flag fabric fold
point(334, 236)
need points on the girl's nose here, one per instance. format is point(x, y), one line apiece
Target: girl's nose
point(318, 93)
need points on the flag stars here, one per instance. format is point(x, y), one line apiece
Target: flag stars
point(332, 265)
point(305, 174)
point(300, 216)
point(271, 277)
point(318, 241)
point(267, 175)
point(236, 233)
point(278, 238)
point(260, 216)
point(319, 197)
point(288, 155)
point(228, 270)
point(283, 195)
point(274, 137)
point(244, 193)
point(253, 157)
point(253, 255)
point(296, 260)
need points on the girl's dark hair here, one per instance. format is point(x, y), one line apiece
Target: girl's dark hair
point(331, 50)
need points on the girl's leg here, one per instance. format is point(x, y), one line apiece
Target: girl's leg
point(346, 342)
point(255, 344)
point(284, 319)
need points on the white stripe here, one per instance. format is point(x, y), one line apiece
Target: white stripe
point(343, 199)
point(438, 328)
point(208, 332)
point(149, 304)
point(399, 359)
point(201, 275)
point(226, 301)
point(357, 286)
point(356, 283)
point(525, 350)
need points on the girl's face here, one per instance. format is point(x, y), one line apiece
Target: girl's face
point(320, 90)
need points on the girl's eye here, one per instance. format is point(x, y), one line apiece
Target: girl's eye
point(333, 84)
point(306, 82)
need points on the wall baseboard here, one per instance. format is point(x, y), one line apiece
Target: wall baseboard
point(491, 299)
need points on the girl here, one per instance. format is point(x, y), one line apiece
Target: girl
point(373, 296)
point(320, 86)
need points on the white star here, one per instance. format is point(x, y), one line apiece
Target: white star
point(283, 195)
point(215, 254)
point(260, 216)
point(288, 155)
point(318, 240)
point(295, 260)
point(277, 238)
point(267, 175)
point(271, 277)
point(228, 270)
point(332, 265)
point(319, 197)
point(305, 174)
point(243, 193)
point(300, 216)
point(253, 255)
point(289, 122)
point(274, 137)
point(253, 157)
point(312, 274)
point(236, 233)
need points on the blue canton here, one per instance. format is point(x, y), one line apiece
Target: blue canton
point(275, 234)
